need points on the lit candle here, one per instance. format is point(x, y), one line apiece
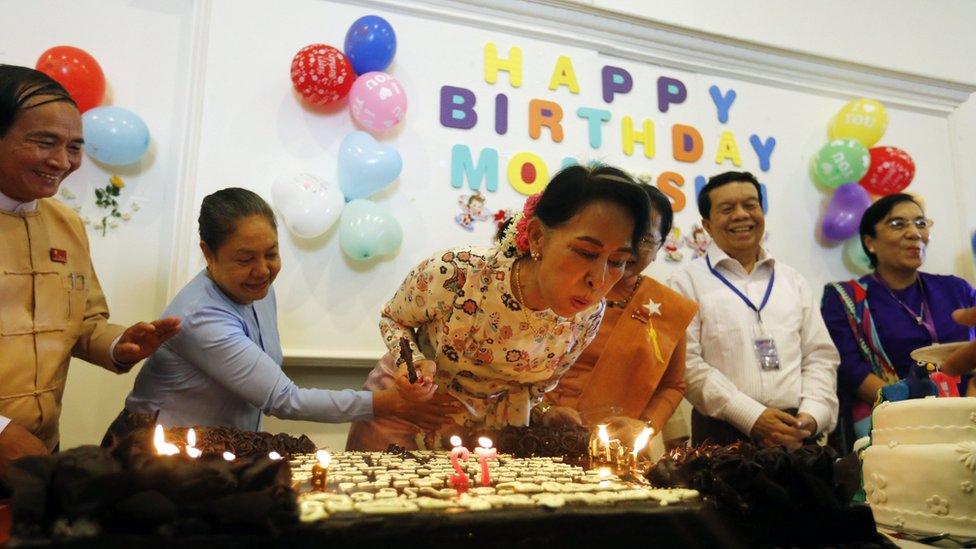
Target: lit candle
point(229, 456)
point(604, 437)
point(458, 454)
point(320, 471)
point(274, 456)
point(484, 452)
point(640, 443)
point(191, 443)
point(163, 448)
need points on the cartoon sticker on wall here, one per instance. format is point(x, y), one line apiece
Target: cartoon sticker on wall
point(698, 241)
point(472, 210)
point(672, 245)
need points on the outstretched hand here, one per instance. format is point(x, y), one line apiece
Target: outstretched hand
point(964, 359)
point(143, 338)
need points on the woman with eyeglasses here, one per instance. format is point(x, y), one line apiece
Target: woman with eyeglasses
point(876, 321)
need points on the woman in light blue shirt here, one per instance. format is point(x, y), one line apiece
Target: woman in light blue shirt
point(224, 368)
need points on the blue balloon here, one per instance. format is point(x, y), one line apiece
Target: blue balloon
point(114, 135)
point(974, 243)
point(370, 44)
point(366, 166)
point(367, 230)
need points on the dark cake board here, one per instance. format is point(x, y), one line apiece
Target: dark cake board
point(682, 525)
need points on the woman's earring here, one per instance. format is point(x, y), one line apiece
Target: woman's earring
point(536, 256)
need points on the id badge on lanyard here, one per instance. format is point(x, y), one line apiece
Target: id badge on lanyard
point(765, 347)
point(762, 341)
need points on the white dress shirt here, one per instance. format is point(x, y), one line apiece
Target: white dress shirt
point(725, 380)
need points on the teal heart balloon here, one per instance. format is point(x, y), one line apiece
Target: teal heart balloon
point(365, 166)
point(840, 161)
point(367, 230)
point(855, 259)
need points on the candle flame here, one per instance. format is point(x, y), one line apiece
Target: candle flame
point(229, 456)
point(324, 457)
point(642, 439)
point(193, 452)
point(191, 437)
point(163, 448)
point(603, 435)
point(275, 456)
point(484, 442)
point(455, 441)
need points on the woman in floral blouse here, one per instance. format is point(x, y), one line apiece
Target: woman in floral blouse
point(495, 328)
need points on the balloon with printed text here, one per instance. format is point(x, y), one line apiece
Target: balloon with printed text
point(321, 74)
point(840, 161)
point(378, 101)
point(862, 119)
point(891, 171)
point(370, 44)
point(309, 205)
point(77, 71)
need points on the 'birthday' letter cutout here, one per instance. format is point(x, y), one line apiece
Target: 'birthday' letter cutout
point(727, 150)
point(686, 143)
point(457, 108)
point(594, 122)
point(629, 136)
point(548, 114)
point(493, 64)
point(763, 150)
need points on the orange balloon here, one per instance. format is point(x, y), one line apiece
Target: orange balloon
point(77, 71)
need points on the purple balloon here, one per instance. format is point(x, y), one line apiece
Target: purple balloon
point(843, 216)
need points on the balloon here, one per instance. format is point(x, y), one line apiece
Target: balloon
point(843, 216)
point(378, 101)
point(840, 161)
point(114, 135)
point(77, 71)
point(370, 44)
point(974, 243)
point(862, 119)
point(321, 73)
point(854, 257)
point(891, 171)
point(366, 166)
point(367, 230)
point(310, 206)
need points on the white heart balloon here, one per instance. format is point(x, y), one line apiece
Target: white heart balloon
point(308, 204)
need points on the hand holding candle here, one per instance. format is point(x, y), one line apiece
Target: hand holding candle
point(485, 451)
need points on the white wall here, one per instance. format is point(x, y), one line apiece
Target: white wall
point(145, 48)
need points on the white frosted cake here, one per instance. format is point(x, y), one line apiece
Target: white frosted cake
point(920, 470)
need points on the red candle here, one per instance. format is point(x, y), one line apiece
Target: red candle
point(484, 452)
point(458, 454)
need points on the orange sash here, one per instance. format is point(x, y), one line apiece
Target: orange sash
point(628, 371)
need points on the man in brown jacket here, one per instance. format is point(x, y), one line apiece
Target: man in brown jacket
point(51, 306)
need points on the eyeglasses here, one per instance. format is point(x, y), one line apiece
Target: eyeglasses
point(900, 224)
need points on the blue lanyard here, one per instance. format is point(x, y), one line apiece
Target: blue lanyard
point(742, 296)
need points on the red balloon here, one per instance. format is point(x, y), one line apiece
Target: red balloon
point(321, 73)
point(77, 71)
point(891, 170)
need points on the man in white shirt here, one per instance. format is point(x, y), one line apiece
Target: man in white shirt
point(760, 364)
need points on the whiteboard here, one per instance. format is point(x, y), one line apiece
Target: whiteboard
point(254, 129)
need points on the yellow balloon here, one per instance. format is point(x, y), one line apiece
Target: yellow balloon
point(861, 119)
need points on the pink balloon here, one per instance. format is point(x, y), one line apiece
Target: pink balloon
point(378, 101)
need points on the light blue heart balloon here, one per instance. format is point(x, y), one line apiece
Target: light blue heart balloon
point(367, 230)
point(365, 166)
point(114, 136)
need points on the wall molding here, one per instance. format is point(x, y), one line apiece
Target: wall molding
point(633, 38)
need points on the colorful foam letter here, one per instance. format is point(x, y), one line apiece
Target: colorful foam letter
point(722, 102)
point(493, 64)
point(670, 184)
point(594, 122)
point(527, 173)
point(457, 108)
point(501, 114)
point(548, 114)
point(563, 74)
point(670, 91)
point(686, 143)
point(615, 80)
point(764, 149)
point(629, 136)
point(727, 150)
point(463, 167)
